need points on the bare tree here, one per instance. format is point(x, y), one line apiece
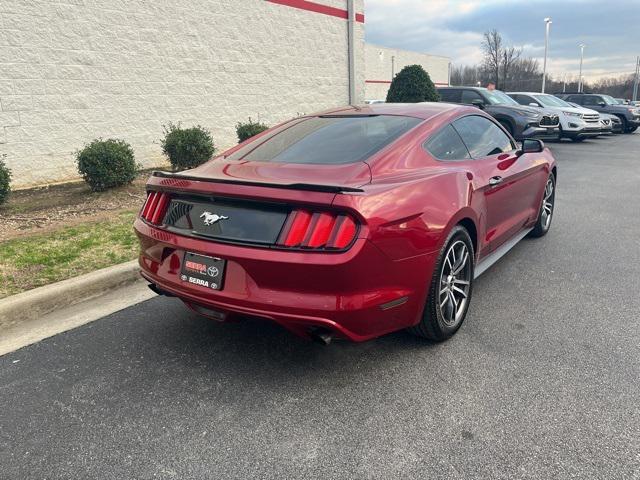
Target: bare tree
point(466, 75)
point(504, 66)
point(509, 58)
point(493, 51)
point(525, 75)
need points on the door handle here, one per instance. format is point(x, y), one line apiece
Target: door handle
point(495, 180)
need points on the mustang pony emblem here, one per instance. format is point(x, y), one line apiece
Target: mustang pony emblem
point(211, 218)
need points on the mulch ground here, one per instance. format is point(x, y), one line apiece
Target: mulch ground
point(43, 209)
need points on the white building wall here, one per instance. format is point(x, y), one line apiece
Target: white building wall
point(378, 67)
point(75, 70)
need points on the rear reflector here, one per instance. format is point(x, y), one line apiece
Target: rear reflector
point(155, 207)
point(318, 230)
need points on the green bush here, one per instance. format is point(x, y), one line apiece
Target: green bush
point(187, 147)
point(106, 164)
point(249, 129)
point(411, 85)
point(5, 181)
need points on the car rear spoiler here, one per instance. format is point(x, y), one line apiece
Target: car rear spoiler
point(313, 187)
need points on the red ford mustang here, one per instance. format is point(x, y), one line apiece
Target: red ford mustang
point(350, 223)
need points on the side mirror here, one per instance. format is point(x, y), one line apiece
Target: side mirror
point(531, 145)
point(533, 104)
point(602, 104)
point(478, 103)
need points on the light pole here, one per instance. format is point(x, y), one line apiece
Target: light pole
point(548, 23)
point(582, 45)
point(637, 80)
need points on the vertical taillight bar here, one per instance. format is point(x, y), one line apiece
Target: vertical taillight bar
point(317, 230)
point(147, 205)
point(155, 207)
point(161, 207)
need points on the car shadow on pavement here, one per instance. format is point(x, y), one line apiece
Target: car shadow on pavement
point(251, 345)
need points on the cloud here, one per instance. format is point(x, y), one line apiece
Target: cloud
point(454, 28)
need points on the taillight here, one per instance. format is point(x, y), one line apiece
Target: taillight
point(317, 230)
point(155, 207)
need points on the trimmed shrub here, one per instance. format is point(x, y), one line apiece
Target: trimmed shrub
point(106, 164)
point(5, 181)
point(411, 85)
point(249, 129)
point(187, 147)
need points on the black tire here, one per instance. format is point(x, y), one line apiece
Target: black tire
point(632, 129)
point(577, 139)
point(625, 124)
point(433, 324)
point(543, 224)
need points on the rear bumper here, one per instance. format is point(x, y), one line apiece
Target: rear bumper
point(346, 293)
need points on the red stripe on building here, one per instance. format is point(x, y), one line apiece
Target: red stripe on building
point(318, 8)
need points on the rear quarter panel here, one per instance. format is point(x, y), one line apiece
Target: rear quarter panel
point(414, 200)
point(413, 217)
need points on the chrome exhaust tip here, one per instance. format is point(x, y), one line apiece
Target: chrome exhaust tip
point(321, 336)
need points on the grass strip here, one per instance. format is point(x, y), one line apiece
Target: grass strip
point(41, 259)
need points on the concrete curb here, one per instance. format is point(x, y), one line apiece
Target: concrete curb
point(30, 305)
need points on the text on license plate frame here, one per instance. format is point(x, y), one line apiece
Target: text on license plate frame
point(203, 270)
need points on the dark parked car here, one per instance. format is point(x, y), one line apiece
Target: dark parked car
point(628, 115)
point(615, 122)
point(520, 121)
point(352, 222)
point(609, 124)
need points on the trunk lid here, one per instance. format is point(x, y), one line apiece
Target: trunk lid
point(249, 202)
point(341, 175)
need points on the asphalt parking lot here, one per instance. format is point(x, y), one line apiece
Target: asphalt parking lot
point(542, 381)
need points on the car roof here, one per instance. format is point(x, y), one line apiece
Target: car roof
point(422, 110)
point(454, 87)
point(529, 93)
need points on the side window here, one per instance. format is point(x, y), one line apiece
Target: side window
point(450, 95)
point(575, 99)
point(468, 96)
point(482, 137)
point(590, 100)
point(526, 100)
point(447, 145)
point(521, 99)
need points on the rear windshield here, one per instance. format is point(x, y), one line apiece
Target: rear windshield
point(329, 140)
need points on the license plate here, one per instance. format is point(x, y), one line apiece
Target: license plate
point(203, 270)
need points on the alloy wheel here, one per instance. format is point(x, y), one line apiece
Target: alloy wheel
point(547, 204)
point(455, 283)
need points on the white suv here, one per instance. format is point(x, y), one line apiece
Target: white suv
point(576, 123)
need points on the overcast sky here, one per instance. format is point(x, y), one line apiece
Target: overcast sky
point(609, 28)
